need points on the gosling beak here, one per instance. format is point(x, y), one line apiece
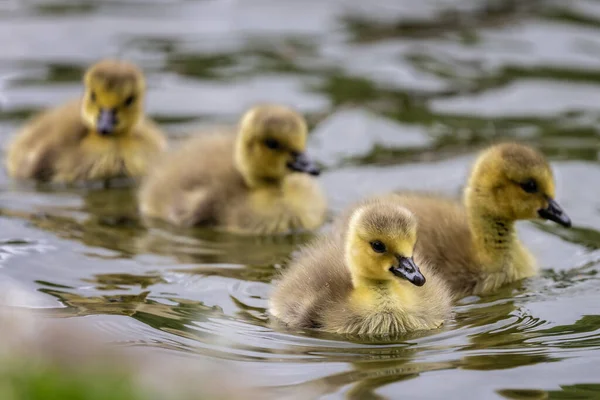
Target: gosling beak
point(301, 163)
point(107, 121)
point(408, 270)
point(555, 213)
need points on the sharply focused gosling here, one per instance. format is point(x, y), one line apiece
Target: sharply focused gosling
point(363, 280)
point(256, 182)
point(475, 247)
point(101, 136)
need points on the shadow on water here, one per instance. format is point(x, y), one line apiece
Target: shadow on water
point(398, 95)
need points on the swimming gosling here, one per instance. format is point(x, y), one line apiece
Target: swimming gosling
point(366, 280)
point(474, 245)
point(102, 135)
point(258, 181)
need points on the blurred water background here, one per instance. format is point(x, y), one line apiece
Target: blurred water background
point(399, 94)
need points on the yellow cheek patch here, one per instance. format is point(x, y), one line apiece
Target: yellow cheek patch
point(297, 144)
point(404, 244)
point(405, 249)
point(548, 186)
point(111, 95)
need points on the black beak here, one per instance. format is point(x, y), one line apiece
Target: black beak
point(555, 213)
point(408, 270)
point(107, 121)
point(301, 163)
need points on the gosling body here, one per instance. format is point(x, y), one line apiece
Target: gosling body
point(101, 136)
point(254, 181)
point(341, 283)
point(474, 246)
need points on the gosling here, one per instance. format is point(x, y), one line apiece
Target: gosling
point(259, 181)
point(474, 246)
point(365, 280)
point(101, 136)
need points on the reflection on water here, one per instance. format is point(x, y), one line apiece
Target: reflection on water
point(580, 391)
point(398, 95)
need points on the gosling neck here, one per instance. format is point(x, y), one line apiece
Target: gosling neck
point(360, 280)
point(378, 294)
point(494, 238)
point(130, 129)
point(243, 165)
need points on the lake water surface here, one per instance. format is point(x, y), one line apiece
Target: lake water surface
point(399, 94)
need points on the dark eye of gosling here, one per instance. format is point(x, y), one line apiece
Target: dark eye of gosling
point(272, 144)
point(129, 101)
point(378, 247)
point(93, 96)
point(529, 186)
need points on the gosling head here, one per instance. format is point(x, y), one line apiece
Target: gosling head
point(380, 242)
point(113, 99)
point(271, 144)
point(512, 181)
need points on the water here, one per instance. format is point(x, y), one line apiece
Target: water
point(399, 94)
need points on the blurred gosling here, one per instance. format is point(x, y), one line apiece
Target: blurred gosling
point(101, 136)
point(258, 181)
point(475, 246)
point(363, 280)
